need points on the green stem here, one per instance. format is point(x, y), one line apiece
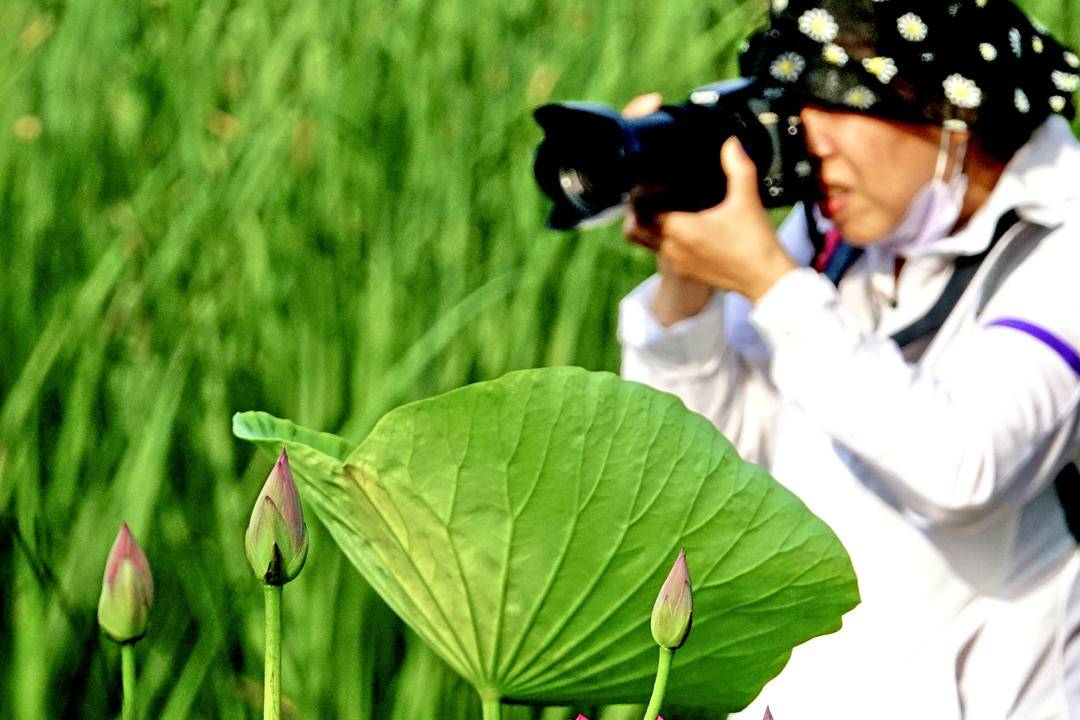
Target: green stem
point(127, 675)
point(491, 707)
point(272, 682)
point(662, 669)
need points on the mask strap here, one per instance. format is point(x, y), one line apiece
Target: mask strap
point(953, 143)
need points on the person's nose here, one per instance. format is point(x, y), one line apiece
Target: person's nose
point(818, 128)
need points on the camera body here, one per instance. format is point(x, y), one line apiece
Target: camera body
point(593, 161)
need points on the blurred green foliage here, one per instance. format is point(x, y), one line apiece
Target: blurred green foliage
point(317, 208)
point(321, 209)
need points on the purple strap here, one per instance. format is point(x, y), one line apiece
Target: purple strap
point(1065, 351)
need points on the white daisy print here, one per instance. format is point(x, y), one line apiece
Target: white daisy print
point(1020, 100)
point(860, 97)
point(1065, 82)
point(1057, 103)
point(779, 5)
point(988, 51)
point(911, 27)
point(961, 91)
point(927, 57)
point(787, 66)
point(1037, 44)
point(819, 25)
point(835, 54)
point(1014, 41)
point(980, 3)
point(881, 67)
point(831, 84)
point(1071, 59)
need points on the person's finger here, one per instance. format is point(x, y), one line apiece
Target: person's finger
point(643, 105)
point(673, 258)
point(681, 225)
point(640, 235)
point(740, 170)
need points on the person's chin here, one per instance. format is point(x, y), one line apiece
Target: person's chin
point(862, 232)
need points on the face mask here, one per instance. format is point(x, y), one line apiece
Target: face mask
point(936, 207)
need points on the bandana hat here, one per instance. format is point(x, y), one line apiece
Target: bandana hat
point(980, 61)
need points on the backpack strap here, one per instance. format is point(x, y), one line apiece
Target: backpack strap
point(964, 271)
point(842, 256)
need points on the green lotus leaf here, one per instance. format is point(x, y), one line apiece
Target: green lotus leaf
point(524, 526)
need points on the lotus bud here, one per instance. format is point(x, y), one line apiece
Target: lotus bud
point(672, 614)
point(768, 714)
point(276, 542)
point(127, 590)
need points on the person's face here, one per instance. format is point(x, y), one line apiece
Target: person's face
point(870, 169)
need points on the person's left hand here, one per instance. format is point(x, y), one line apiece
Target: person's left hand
point(732, 245)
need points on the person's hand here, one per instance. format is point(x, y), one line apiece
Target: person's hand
point(677, 298)
point(731, 246)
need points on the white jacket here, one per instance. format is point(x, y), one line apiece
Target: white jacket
point(936, 473)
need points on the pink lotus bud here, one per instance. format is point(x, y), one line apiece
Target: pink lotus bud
point(768, 714)
point(672, 614)
point(127, 590)
point(276, 541)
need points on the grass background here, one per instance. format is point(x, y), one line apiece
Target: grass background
point(317, 208)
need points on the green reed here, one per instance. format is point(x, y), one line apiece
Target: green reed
point(320, 209)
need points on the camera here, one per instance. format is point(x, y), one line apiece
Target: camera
point(593, 161)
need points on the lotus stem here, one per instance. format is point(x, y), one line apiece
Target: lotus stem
point(127, 679)
point(272, 681)
point(491, 707)
point(663, 667)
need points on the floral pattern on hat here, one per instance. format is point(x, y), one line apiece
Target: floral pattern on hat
point(1014, 41)
point(1020, 101)
point(1064, 81)
point(962, 91)
point(787, 67)
point(819, 25)
point(883, 68)
point(860, 97)
point(911, 27)
point(981, 61)
point(834, 54)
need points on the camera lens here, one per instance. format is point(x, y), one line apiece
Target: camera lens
point(578, 190)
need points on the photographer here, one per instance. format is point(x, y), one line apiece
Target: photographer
point(906, 356)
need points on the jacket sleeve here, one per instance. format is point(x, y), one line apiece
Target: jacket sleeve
point(716, 361)
point(991, 418)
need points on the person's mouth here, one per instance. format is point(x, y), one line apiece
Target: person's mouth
point(833, 200)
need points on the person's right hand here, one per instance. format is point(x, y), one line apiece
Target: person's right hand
point(677, 298)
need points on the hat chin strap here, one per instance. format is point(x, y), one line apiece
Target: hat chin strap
point(936, 207)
